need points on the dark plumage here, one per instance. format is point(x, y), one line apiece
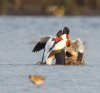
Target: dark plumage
point(68, 54)
point(80, 56)
point(59, 33)
point(66, 30)
point(41, 44)
point(60, 57)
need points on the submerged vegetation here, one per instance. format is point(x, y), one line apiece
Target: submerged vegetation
point(50, 7)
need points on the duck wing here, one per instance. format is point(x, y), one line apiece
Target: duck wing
point(78, 45)
point(41, 44)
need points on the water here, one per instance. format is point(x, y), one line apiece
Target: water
point(18, 36)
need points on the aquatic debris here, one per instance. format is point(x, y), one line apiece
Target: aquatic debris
point(37, 79)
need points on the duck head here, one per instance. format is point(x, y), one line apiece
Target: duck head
point(66, 31)
point(58, 35)
point(61, 35)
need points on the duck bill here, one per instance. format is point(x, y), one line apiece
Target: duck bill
point(68, 43)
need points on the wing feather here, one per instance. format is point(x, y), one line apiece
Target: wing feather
point(41, 44)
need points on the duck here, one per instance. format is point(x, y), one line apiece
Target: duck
point(73, 55)
point(47, 43)
point(59, 46)
point(53, 45)
point(37, 79)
